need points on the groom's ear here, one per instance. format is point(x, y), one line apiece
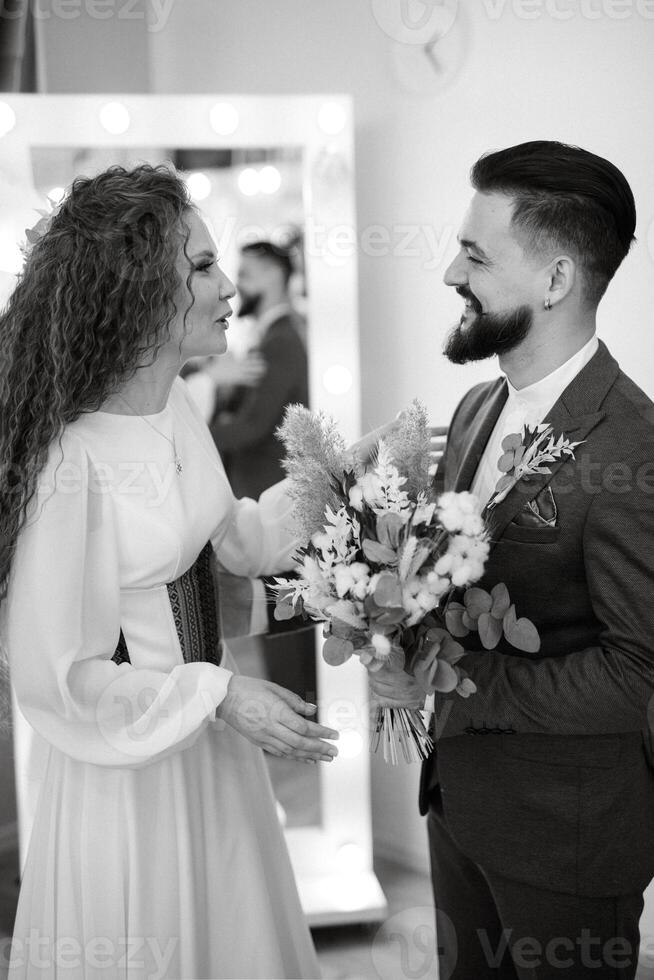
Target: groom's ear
point(563, 277)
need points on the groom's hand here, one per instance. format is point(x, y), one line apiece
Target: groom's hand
point(396, 689)
point(361, 450)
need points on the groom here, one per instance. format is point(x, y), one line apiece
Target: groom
point(539, 796)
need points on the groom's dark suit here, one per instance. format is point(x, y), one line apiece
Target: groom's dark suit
point(541, 779)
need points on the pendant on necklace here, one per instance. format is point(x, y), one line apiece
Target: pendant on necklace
point(178, 464)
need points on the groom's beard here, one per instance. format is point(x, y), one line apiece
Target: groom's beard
point(487, 334)
point(249, 305)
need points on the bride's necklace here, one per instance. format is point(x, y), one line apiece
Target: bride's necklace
point(178, 462)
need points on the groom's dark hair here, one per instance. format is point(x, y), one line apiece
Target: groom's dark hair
point(565, 197)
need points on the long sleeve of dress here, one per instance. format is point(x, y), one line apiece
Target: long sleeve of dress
point(62, 627)
point(258, 539)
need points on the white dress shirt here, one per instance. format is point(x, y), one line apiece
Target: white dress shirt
point(528, 405)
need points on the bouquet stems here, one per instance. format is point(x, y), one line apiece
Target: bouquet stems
point(403, 729)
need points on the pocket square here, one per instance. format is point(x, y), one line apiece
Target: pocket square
point(539, 512)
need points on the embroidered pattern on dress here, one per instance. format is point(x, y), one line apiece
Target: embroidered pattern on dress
point(196, 612)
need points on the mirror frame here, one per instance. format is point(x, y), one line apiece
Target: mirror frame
point(333, 860)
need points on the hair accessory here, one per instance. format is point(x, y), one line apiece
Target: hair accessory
point(38, 230)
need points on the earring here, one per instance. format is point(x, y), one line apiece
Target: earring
point(548, 304)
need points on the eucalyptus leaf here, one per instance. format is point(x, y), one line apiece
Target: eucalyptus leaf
point(424, 670)
point(336, 651)
point(523, 635)
point(445, 677)
point(454, 619)
point(469, 621)
point(509, 620)
point(512, 442)
point(342, 630)
point(389, 591)
point(501, 601)
point(378, 553)
point(284, 610)
point(389, 527)
point(490, 631)
point(477, 601)
point(391, 617)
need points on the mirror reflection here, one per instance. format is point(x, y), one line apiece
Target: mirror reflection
point(252, 202)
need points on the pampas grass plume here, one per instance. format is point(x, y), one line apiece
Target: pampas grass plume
point(409, 446)
point(315, 454)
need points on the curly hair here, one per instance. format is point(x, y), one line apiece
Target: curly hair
point(96, 295)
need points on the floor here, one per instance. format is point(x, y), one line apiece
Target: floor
point(401, 948)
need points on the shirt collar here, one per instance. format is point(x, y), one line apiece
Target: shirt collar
point(549, 389)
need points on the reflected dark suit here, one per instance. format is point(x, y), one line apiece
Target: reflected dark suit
point(252, 455)
point(244, 434)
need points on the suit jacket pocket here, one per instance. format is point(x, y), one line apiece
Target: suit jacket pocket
point(536, 522)
point(530, 535)
point(593, 751)
point(539, 512)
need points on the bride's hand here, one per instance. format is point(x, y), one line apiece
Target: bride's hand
point(272, 718)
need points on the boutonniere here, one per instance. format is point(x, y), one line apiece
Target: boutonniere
point(527, 453)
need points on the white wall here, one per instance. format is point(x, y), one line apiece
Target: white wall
point(582, 80)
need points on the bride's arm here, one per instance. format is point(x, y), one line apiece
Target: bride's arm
point(62, 627)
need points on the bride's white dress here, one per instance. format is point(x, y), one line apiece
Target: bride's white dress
point(156, 849)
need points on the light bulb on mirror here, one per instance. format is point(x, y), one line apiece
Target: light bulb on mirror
point(115, 118)
point(199, 186)
point(270, 179)
point(248, 182)
point(223, 118)
point(337, 379)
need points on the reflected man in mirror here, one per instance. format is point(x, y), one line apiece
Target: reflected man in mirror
point(245, 416)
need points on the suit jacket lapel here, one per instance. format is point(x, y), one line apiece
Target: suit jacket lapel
point(576, 429)
point(574, 416)
point(479, 434)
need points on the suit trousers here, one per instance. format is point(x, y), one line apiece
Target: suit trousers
point(494, 928)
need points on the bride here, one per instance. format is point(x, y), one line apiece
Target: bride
point(156, 850)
